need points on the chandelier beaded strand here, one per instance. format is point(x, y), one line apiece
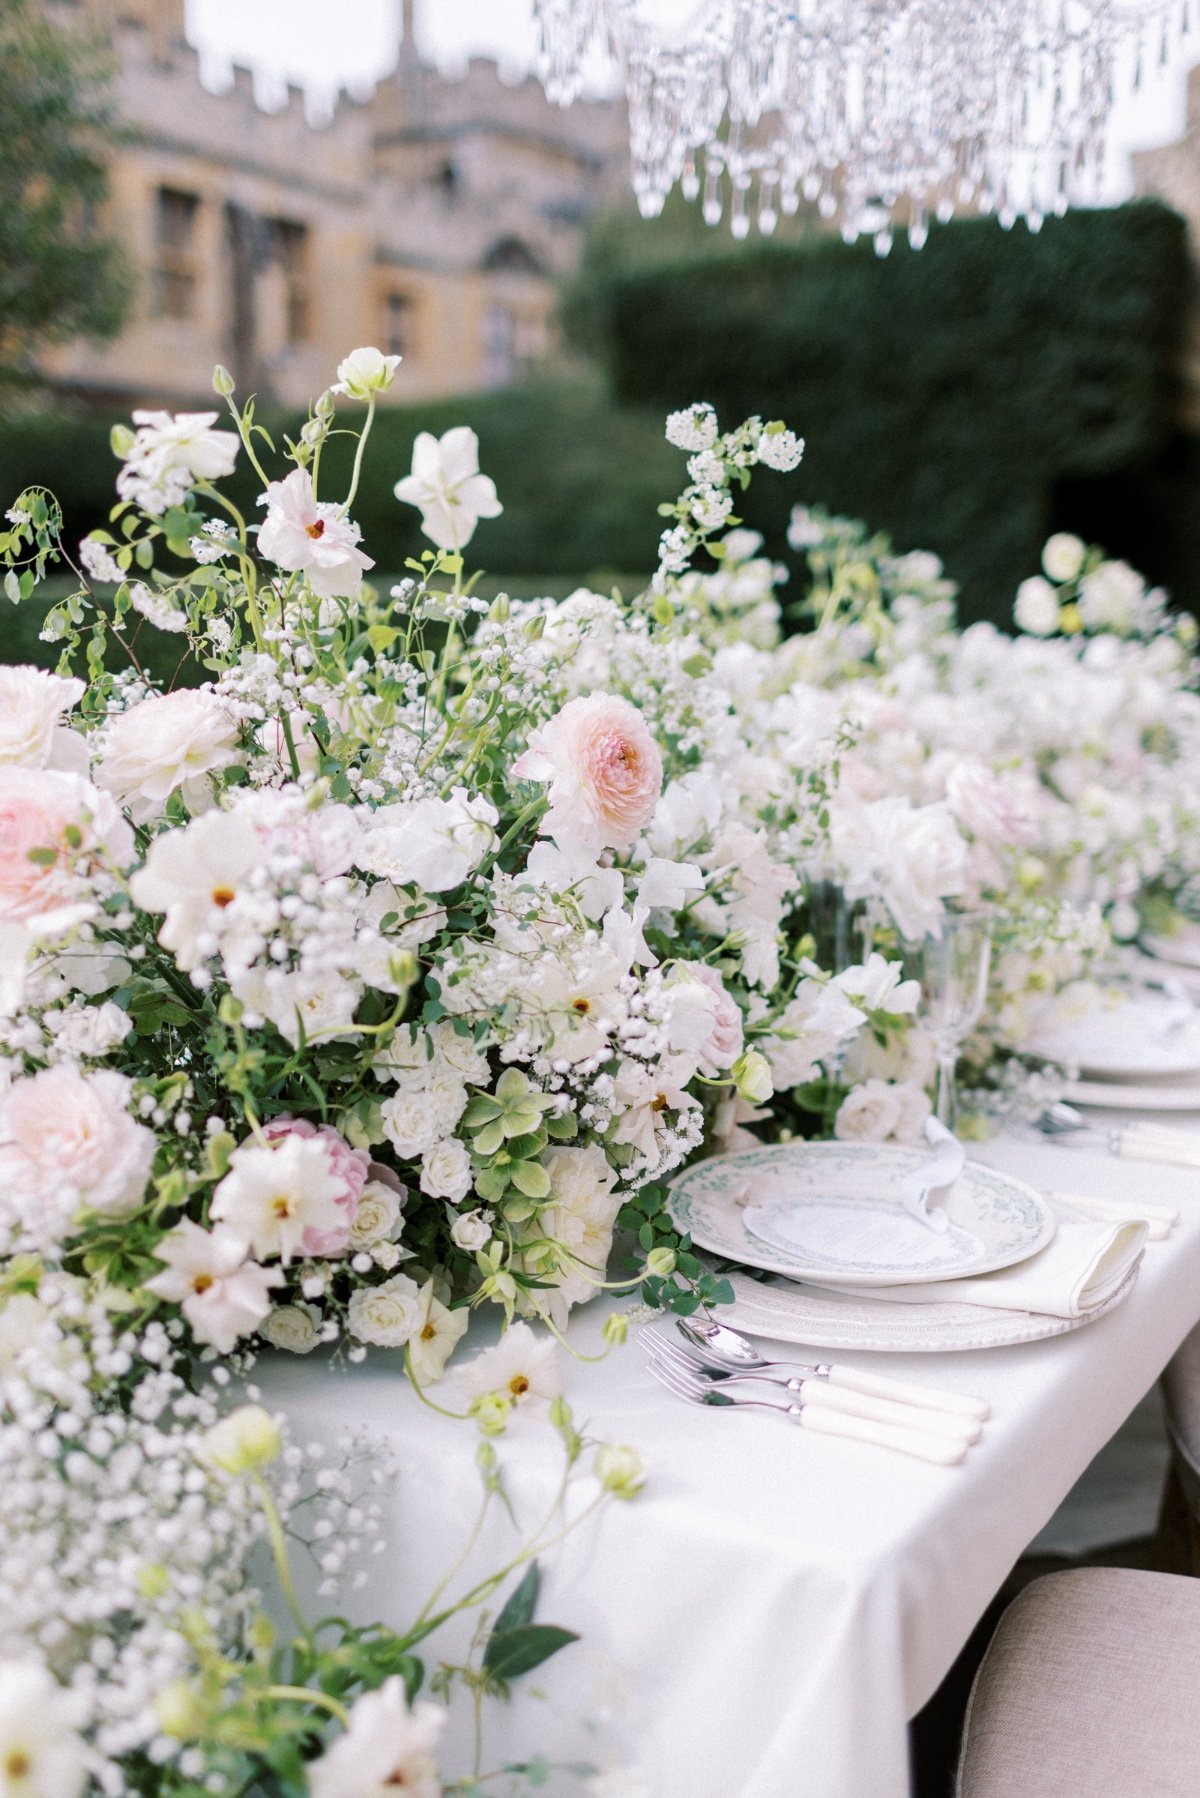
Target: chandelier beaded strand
point(880, 113)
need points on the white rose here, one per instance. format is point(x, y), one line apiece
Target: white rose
point(459, 1052)
point(471, 1231)
point(378, 1216)
point(294, 1328)
point(410, 1123)
point(446, 1171)
point(1036, 610)
point(169, 743)
point(1062, 558)
point(914, 1109)
point(386, 1315)
point(89, 1031)
point(31, 706)
point(868, 1114)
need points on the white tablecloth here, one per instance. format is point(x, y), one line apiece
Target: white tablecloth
point(766, 1617)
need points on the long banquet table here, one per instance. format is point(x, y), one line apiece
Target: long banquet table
point(766, 1617)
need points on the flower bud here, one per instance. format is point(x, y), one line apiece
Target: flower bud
point(154, 1581)
point(179, 1710)
point(122, 440)
point(364, 372)
point(661, 1263)
point(245, 1441)
point(491, 1412)
point(620, 1470)
point(222, 381)
point(752, 1072)
point(1070, 619)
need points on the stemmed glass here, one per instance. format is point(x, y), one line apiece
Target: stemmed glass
point(952, 968)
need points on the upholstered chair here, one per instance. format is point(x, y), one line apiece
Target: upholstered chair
point(1088, 1690)
point(1178, 1543)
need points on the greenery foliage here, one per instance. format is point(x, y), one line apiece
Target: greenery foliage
point(947, 395)
point(59, 278)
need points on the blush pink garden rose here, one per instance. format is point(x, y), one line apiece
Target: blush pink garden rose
point(350, 1167)
point(603, 769)
point(44, 809)
point(67, 1139)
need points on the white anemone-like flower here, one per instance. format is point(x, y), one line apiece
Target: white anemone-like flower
point(222, 1294)
point(284, 1200)
point(522, 1366)
point(447, 487)
point(303, 534)
point(41, 1752)
point(436, 1336)
point(194, 876)
point(387, 1748)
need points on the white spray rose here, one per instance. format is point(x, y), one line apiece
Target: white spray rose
point(169, 743)
point(32, 703)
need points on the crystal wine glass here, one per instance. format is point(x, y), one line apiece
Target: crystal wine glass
point(952, 968)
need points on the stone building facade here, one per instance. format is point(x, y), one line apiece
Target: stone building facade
point(433, 219)
point(1172, 173)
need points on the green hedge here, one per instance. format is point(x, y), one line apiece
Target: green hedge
point(960, 397)
point(579, 479)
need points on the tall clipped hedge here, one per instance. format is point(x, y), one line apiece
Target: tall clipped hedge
point(960, 397)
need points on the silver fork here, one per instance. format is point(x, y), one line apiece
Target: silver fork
point(815, 1391)
point(920, 1444)
point(721, 1346)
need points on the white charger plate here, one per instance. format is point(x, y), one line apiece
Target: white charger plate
point(846, 1196)
point(1181, 946)
point(1126, 1041)
point(785, 1311)
point(1115, 1095)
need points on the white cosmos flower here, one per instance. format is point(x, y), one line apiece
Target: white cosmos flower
point(222, 1294)
point(282, 1200)
point(42, 1754)
point(169, 743)
point(302, 533)
point(387, 1748)
point(32, 703)
point(447, 487)
point(436, 1336)
point(194, 875)
point(522, 1366)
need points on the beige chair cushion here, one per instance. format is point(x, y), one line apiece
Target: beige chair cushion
point(1181, 1392)
point(1090, 1689)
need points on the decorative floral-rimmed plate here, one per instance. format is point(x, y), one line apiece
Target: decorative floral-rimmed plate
point(1181, 945)
point(1143, 1038)
point(1115, 1095)
point(842, 1218)
point(784, 1311)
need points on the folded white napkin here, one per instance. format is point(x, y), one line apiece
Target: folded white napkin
point(1161, 1219)
point(1084, 1264)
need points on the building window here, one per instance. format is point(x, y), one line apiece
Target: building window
point(288, 250)
point(175, 273)
point(399, 318)
point(499, 346)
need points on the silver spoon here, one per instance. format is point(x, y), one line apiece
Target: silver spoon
point(727, 1347)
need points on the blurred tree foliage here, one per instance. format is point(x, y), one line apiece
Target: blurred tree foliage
point(965, 397)
point(60, 277)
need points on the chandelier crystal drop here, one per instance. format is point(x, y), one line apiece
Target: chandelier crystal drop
point(881, 113)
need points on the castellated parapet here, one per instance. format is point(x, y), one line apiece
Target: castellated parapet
point(433, 219)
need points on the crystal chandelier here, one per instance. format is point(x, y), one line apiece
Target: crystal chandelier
point(882, 113)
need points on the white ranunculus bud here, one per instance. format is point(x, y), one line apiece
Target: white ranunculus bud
point(364, 372)
point(245, 1441)
point(619, 1470)
point(1062, 558)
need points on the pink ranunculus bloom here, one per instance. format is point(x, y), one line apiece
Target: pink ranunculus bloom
point(301, 532)
point(350, 1167)
point(603, 768)
point(42, 809)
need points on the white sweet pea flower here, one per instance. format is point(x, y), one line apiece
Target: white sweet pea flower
point(42, 1754)
point(447, 487)
point(364, 372)
point(386, 1747)
point(222, 1295)
point(879, 985)
point(668, 885)
point(305, 535)
point(435, 843)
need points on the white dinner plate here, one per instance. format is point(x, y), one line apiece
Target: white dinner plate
point(841, 1216)
point(1126, 1041)
point(1116, 1095)
point(1181, 945)
point(785, 1311)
